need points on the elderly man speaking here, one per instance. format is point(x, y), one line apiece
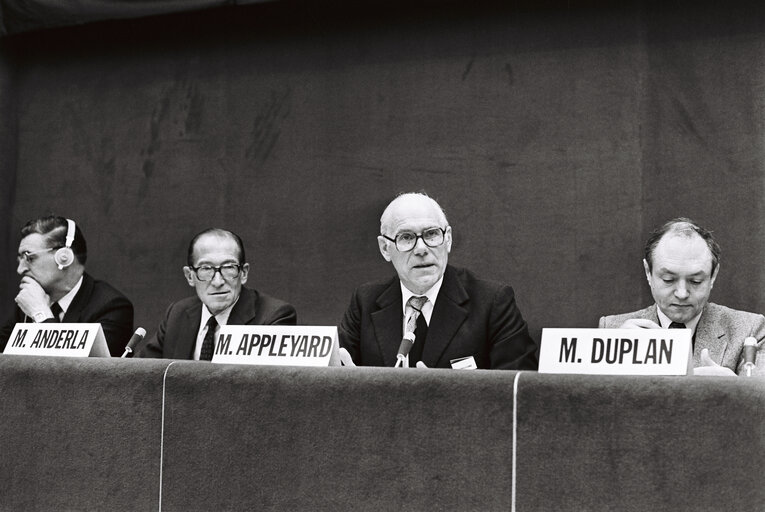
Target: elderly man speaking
point(455, 319)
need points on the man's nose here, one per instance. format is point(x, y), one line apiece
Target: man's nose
point(22, 267)
point(681, 291)
point(217, 278)
point(420, 247)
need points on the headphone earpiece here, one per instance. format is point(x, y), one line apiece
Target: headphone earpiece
point(64, 256)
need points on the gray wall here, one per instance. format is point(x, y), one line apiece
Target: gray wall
point(555, 138)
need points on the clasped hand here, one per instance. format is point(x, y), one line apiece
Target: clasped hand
point(32, 298)
point(347, 360)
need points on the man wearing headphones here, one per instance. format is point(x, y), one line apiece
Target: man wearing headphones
point(55, 288)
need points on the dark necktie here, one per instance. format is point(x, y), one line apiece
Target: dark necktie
point(208, 345)
point(56, 310)
point(678, 325)
point(421, 328)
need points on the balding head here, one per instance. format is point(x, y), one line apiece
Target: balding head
point(408, 205)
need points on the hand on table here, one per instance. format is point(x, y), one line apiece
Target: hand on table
point(709, 367)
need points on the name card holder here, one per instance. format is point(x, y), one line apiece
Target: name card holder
point(616, 351)
point(286, 345)
point(61, 340)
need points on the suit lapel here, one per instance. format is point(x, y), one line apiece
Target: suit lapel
point(709, 335)
point(188, 330)
point(388, 322)
point(448, 315)
point(244, 309)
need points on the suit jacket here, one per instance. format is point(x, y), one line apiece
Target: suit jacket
point(722, 330)
point(95, 302)
point(471, 317)
point(176, 336)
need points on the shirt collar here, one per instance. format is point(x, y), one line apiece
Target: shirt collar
point(66, 301)
point(431, 294)
point(690, 324)
point(221, 318)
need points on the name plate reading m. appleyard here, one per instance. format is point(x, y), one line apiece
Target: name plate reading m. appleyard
point(54, 339)
point(616, 351)
point(288, 345)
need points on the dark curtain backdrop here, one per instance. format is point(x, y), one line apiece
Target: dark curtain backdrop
point(555, 138)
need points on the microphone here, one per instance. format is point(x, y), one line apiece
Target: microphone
point(750, 354)
point(403, 350)
point(135, 339)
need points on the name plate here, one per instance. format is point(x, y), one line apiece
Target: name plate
point(289, 345)
point(616, 351)
point(53, 339)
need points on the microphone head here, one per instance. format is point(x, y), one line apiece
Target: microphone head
point(750, 353)
point(405, 347)
point(135, 339)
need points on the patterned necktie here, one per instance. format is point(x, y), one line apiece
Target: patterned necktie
point(56, 310)
point(416, 324)
point(208, 345)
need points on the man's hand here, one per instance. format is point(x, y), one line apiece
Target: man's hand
point(32, 298)
point(639, 323)
point(345, 358)
point(709, 367)
point(420, 364)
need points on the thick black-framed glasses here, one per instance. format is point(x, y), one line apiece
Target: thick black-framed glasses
point(406, 240)
point(207, 272)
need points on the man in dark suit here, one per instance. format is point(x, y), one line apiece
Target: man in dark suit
point(55, 288)
point(454, 318)
point(217, 271)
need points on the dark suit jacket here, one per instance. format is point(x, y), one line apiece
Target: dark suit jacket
point(95, 302)
point(176, 336)
point(471, 317)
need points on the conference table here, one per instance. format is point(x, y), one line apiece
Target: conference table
point(129, 434)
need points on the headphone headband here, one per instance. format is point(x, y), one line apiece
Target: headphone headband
point(64, 256)
point(69, 233)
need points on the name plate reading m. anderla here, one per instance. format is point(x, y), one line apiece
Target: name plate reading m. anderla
point(616, 351)
point(53, 339)
point(288, 345)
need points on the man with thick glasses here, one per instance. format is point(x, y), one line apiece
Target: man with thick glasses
point(217, 270)
point(453, 318)
point(54, 286)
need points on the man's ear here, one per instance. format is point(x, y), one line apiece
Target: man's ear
point(244, 273)
point(385, 246)
point(714, 276)
point(189, 274)
point(647, 271)
point(448, 236)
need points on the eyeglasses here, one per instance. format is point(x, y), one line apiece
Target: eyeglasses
point(26, 255)
point(207, 272)
point(406, 240)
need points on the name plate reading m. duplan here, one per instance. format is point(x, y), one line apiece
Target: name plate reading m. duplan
point(616, 351)
point(289, 345)
point(54, 339)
